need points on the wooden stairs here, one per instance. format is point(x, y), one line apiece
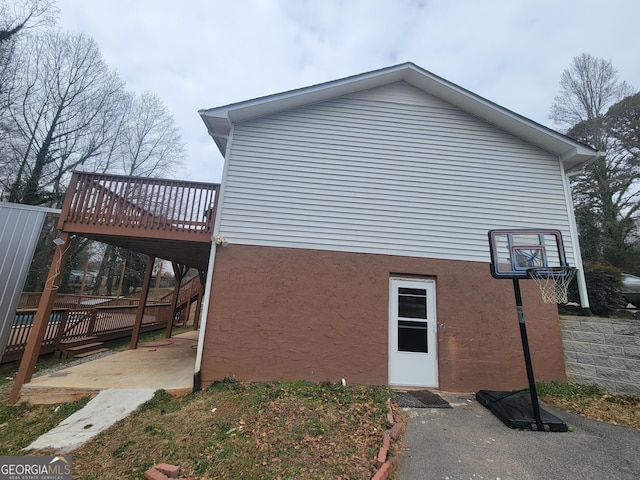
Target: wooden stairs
point(81, 347)
point(188, 294)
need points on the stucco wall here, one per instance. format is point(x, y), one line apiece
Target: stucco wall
point(279, 313)
point(603, 351)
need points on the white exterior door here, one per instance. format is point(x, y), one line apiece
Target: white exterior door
point(413, 359)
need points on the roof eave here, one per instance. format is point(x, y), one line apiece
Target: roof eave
point(219, 128)
point(220, 119)
point(576, 159)
point(573, 154)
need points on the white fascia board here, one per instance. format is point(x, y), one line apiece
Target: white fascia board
point(573, 154)
point(34, 208)
point(575, 162)
point(218, 128)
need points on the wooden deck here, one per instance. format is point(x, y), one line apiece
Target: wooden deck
point(168, 219)
point(160, 218)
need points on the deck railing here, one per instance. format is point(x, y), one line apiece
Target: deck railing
point(188, 290)
point(104, 322)
point(159, 205)
point(65, 300)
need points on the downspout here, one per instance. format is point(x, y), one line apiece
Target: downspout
point(197, 380)
point(203, 316)
point(577, 254)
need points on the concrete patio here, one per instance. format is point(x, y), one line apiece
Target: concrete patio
point(162, 364)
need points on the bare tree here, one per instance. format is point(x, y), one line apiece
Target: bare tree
point(587, 89)
point(63, 98)
point(143, 139)
point(147, 144)
point(605, 193)
point(67, 110)
point(16, 17)
point(152, 145)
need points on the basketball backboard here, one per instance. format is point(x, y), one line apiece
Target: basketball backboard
point(513, 252)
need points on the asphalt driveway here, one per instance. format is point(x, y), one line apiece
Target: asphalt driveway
point(469, 442)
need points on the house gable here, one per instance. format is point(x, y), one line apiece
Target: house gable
point(400, 93)
point(388, 170)
point(573, 154)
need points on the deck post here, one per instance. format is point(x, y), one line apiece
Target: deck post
point(41, 320)
point(179, 271)
point(144, 293)
point(187, 311)
point(62, 325)
point(196, 319)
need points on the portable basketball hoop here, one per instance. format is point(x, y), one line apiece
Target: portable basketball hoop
point(520, 255)
point(553, 282)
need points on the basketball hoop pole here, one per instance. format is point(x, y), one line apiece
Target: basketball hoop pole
point(527, 357)
point(523, 254)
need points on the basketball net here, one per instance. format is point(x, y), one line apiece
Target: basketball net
point(553, 282)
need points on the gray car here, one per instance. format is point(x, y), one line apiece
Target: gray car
point(631, 289)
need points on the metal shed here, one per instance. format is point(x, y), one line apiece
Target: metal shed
point(20, 227)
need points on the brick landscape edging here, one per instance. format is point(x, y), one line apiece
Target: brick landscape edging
point(382, 462)
point(162, 471)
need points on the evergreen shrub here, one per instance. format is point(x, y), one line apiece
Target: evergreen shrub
point(604, 284)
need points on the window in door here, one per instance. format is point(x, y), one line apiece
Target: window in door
point(412, 320)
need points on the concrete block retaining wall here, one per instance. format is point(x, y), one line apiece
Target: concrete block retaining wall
point(603, 351)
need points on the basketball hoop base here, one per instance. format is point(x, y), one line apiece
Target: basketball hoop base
point(514, 410)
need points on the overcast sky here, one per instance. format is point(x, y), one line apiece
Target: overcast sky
point(199, 54)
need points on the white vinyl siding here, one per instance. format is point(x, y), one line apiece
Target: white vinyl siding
point(375, 172)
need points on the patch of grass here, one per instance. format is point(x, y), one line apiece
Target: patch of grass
point(593, 402)
point(285, 430)
point(6, 378)
point(119, 451)
point(160, 402)
point(156, 294)
point(22, 424)
point(569, 390)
